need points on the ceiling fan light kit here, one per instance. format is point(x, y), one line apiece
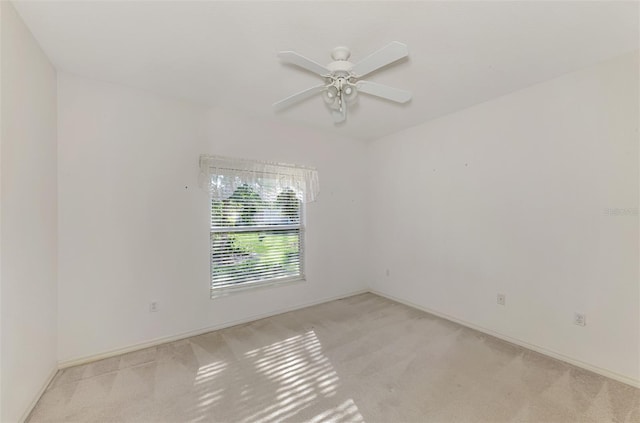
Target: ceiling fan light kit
point(342, 78)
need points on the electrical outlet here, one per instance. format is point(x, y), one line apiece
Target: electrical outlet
point(153, 306)
point(579, 319)
point(500, 299)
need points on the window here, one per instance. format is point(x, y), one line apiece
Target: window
point(257, 222)
point(256, 239)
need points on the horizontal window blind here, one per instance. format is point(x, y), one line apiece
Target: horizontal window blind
point(256, 236)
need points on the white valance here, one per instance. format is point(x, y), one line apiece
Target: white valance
point(223, 175)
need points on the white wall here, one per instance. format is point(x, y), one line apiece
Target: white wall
point(134, 224)
point(28, 242)
point(510, 196)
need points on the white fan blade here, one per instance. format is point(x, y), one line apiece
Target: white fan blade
point(384, 91)
point(298, 97)
point(387, 54)
point(308, 64)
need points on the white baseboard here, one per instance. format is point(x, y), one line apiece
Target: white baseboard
point(542, 350)
point(36, 398)
point(157, 341)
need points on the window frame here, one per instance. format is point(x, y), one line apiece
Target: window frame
point(216, 292)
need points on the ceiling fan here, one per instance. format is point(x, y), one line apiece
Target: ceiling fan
point(342, 78)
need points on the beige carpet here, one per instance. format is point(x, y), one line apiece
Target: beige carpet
point(364, 358)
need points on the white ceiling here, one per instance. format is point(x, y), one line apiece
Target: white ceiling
point(223, 54)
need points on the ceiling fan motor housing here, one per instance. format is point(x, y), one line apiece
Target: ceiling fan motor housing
point(340, 67)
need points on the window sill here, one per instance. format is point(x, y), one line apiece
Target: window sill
point(253, 286)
